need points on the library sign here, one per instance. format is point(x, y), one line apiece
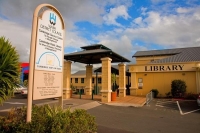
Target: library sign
point(162, 67)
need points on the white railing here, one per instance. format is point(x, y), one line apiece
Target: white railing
point(149, 97)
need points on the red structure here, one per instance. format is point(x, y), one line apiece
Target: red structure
point(24, 71)
point(25, 67)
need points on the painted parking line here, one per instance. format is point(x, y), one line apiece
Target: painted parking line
point(181, 112)
point(167, 104)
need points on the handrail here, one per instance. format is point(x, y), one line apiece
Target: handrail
point(149, 97)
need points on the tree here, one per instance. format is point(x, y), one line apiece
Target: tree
point(9, 69)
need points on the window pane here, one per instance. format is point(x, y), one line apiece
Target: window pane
point(99, 80)
point(76, 80)
point(82, 80)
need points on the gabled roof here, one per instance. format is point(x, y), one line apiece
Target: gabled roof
point(92, 54)
point(95, 46)
point(189, 54)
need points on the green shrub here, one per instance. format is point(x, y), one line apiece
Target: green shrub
point(168, 94)
point(190, 96)
point(46, 119)
point(25, 83)
point(178, 88)
point(155, 92)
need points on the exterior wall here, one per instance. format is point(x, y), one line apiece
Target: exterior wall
point(160, 76)
point(79, 84)
point(162, 82)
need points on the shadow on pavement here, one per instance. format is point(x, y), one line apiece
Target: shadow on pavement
point(103, 129)
point(187, 106)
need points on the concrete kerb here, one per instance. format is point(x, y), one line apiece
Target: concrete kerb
point(87, 105)
point(124, 104)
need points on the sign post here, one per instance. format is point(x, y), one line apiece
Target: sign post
point(46, 56)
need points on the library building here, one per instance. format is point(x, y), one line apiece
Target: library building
point(153, 69)
point(156, 69)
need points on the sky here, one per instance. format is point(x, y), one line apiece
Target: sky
point(125, 26)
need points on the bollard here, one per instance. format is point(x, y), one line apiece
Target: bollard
point(80, 93)
point(92, 94)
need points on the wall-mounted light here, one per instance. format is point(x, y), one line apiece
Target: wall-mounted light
point(183, 74)
point(145, 74)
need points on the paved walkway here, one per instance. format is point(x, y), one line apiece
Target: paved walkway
point(120, 101)
point(86, 102)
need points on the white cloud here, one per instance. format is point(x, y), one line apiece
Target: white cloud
point(143, 9)
point(167, 25)
point(159, 1)
point(18, 23)
point(168, 30)
point(119, 43)
point(138, 22)
point(19, 37)
point(184, 10)
point(120, 11)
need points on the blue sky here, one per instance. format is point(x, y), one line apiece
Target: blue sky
point(125, 26)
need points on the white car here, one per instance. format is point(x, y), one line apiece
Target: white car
point(198, 100)
point(24, 92)
point(19, 89)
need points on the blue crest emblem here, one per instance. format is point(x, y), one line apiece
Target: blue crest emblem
point(52, 19)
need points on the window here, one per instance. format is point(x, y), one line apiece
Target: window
point(71, 80)
point(140, 83)
point(92, 80)
point(99, 80)
point(82, 80)
point(76, 80)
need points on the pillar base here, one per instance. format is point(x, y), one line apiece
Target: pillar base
point(88, 91)
point(122, 92)
point(66, 93)
point(133, 91)
point(106, 96)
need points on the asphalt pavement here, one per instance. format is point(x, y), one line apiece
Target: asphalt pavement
point(160, 116)
point(146, 119)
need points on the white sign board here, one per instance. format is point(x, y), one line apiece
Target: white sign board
point(49, 46)
point(48, 56)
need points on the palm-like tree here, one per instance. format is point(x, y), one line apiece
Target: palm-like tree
point(9, 69)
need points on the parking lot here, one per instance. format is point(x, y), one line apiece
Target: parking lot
point(183, 107)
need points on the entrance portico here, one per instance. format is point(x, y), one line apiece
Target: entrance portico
point(95, 54)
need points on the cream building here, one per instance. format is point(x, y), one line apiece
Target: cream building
point(78, 79)
point(156, 69)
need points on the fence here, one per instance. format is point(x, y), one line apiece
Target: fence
point(77, 89)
